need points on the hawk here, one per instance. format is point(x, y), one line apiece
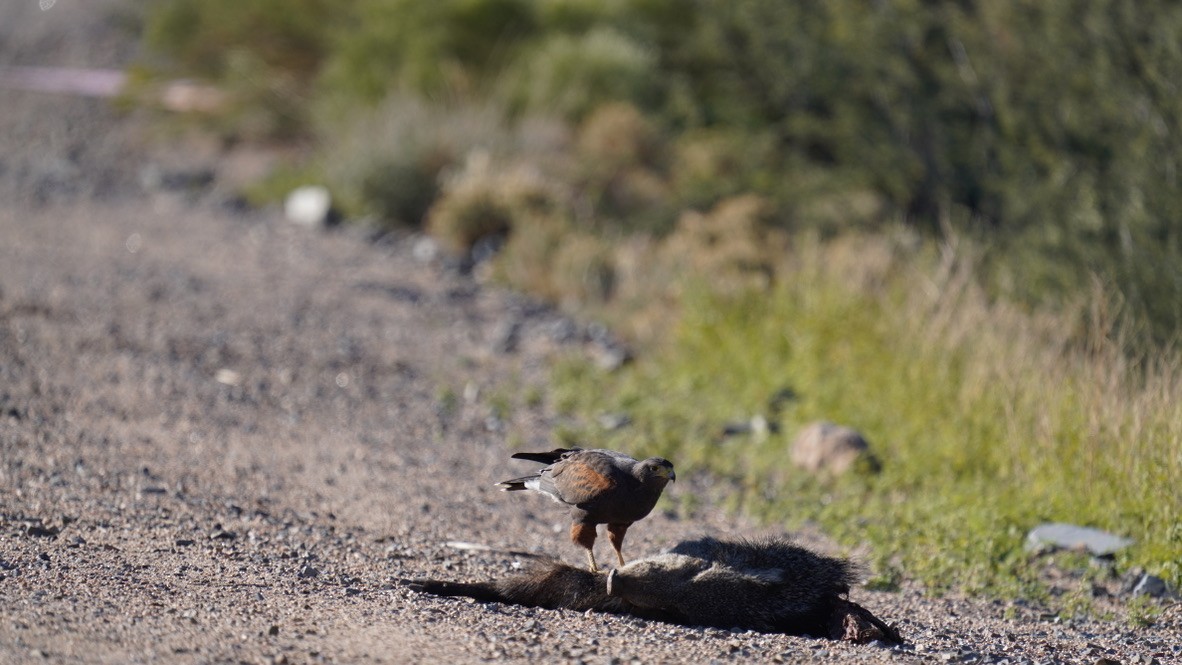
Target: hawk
point(601, 487)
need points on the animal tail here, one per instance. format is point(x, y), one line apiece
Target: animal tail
point(481, 591)
point(516, 484)
point(544, 458)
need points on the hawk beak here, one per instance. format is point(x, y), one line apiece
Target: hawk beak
point(672, 475)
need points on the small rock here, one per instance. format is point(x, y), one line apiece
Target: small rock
point(485, 248)
point(184, 542)
point(506, 336)
point(471, 392)
point(38, 531)
point(1151, 585)
point(757, 426)
point(155, 178)
point(222, 534)
point(823, 447)
point(227, 377)
point(352, 591)
point(494, 424)
point(614, 421)
point(563, 330)
point(610, 357)
point(309, 206)
point(273, 631)
point(1072, 537)
point(308, 572)
point(425, 249)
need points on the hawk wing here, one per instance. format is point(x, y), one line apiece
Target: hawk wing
point(582, 478)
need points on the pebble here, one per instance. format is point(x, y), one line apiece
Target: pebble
point(38, 531)
point(506, 336)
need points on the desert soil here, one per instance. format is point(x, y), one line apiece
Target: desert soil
point(226, 438)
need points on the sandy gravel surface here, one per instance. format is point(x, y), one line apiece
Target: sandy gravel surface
point(224, 438)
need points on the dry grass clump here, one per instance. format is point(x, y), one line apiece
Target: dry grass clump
point(621, 162)
point(617, 136)
point(482, 200)
point(584, 271)
point(389, 161)
point(734, 246)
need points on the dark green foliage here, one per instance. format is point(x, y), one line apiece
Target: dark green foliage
point(443, 46)
point(1051, 128)
point(202, 37)
point(400, 192)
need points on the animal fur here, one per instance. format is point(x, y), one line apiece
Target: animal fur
point(768, 585)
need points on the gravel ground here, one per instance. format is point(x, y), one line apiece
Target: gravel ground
point(225, 438)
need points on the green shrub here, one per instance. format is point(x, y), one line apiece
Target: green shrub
point(569, 75)
point(266, 54)
point(445, 47)
point(389, 161)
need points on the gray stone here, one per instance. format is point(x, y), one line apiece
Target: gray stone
point(614, 421)
point(505, 336)
point(826, 448)
point(1151, 585)
point(1072, 537)
point(425, 249)
point(610, 357)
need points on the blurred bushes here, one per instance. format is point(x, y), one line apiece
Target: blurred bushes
point(266, 53)
point(1049, 130)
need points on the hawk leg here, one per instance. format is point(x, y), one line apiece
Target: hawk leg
point(584, 536)
point(615, 533)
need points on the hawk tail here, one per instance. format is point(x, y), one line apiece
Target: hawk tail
point(516, 484)
point(544, 458)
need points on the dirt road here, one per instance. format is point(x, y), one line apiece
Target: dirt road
point(225, 438)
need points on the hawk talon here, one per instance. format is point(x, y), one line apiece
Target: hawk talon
point(591, 561)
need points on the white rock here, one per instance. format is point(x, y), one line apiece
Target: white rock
point(1072, 537)
point(308, 206)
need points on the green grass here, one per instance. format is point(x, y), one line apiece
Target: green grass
point(988, 420)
